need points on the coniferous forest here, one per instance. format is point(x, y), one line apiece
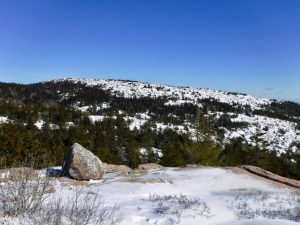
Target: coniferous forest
point(43, 120)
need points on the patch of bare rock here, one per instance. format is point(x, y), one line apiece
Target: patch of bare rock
point(271, 176)
point(150, 166)
point(116, 168)
point(65, 181)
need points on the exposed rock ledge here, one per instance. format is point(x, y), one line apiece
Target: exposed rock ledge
point(271, 176)
point(150, 166)
point(116, 168)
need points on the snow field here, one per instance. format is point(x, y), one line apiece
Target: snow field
point(221, 190)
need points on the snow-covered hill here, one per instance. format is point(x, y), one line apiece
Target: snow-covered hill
point(177, 95)
point(279, 134)
point(271, 124)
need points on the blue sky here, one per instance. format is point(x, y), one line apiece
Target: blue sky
point(250, 46)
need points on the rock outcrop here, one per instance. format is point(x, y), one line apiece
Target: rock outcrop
point(271, 176)
point(150, 166)
point(116, 168)
point(82, 164)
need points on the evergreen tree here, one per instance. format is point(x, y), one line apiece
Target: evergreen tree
point(173, 150)
point(204, 151)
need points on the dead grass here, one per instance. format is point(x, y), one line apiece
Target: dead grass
point(72, 182)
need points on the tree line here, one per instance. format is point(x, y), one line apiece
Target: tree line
point(113, 141)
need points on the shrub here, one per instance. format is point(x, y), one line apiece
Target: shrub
point(28, 198)
point(176, 205)
point(23, 192)
point(80, 209)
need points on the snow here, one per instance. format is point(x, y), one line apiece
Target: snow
point(206, 196)
point(279, 133)
point(257, 124)
point(104, 105)
point(83, 108)
point(53, 126)
point(181, 95)
point(3, 119)
point(216, 187)
point(178, 128)
point(86, 108)
point(39, 124)
point(157, 152)
point(211, 185)
point(135, 122)
point(96, 118)
point(144, 116)
point(143, 151)
point(178, 102)
point(69, 124)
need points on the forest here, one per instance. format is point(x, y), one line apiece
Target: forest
point(114, 142)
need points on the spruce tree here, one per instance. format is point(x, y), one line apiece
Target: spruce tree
point(205, 151)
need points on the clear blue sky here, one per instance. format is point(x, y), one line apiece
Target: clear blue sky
point(250, 46)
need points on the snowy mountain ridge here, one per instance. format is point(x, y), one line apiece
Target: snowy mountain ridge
point(178, 95)
point(280, 134)
point(269, 124)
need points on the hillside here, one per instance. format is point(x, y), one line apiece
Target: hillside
point(272, 119)
point(132, 122)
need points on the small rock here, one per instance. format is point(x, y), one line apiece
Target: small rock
point(54, 172)
point(71, 182)
point(195, 166)
point(116, 168)
point(150, 166)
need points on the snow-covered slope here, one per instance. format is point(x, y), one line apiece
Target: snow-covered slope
point(280, 135)
point(179, 95)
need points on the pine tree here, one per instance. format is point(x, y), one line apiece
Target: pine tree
point(204, 151)
point(172, 148)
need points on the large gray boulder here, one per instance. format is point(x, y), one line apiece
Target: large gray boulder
point(82, 164)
